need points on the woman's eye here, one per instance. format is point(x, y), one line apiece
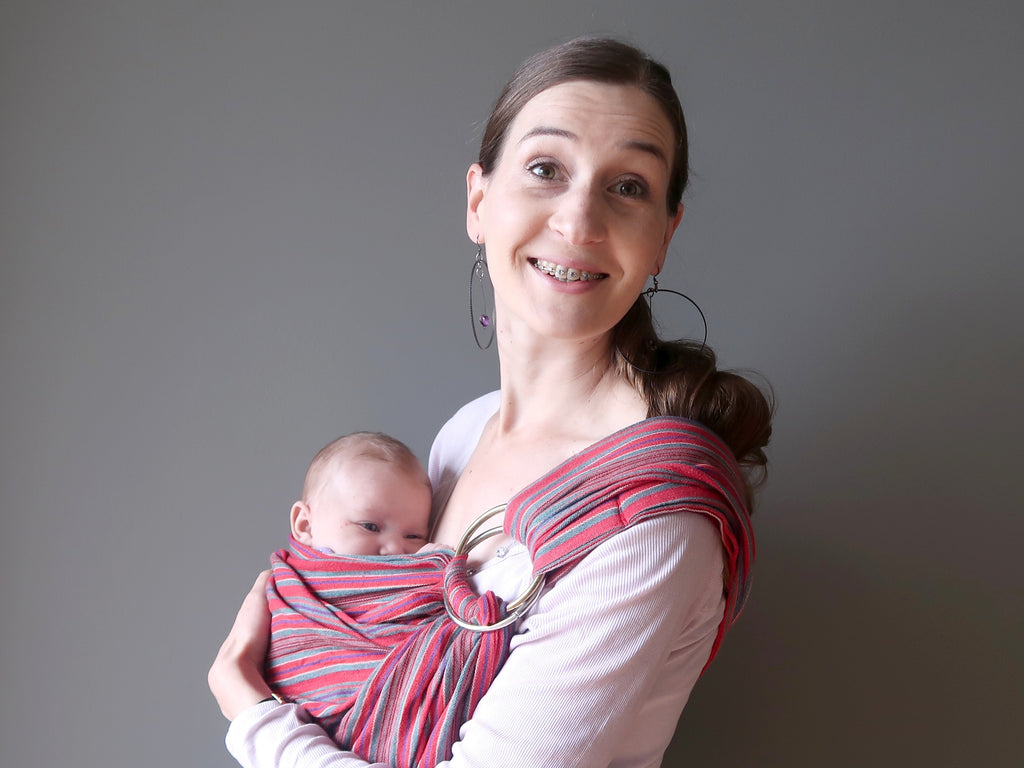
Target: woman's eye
point(543, 170)
point(371, 527)
point(630, 188)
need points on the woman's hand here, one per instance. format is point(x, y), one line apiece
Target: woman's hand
point(236, 677)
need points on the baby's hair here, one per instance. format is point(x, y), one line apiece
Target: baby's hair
point(375, 446)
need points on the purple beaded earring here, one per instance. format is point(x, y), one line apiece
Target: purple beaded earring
point(480, 284)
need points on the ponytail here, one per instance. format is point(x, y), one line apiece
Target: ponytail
point(681, 378)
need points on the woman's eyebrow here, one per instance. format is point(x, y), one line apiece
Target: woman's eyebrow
point(644, 146)
point(544, 130)
point(648, 147)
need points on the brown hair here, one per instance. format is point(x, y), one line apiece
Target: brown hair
point(677, 378)
point(375, 446)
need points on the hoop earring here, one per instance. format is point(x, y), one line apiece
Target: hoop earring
point(480, 283)
point(649, 295)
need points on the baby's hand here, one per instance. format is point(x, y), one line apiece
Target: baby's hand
point(431, 546)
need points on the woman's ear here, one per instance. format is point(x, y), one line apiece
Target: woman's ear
point(476, 186)
point(673, 225)
point(302, 526)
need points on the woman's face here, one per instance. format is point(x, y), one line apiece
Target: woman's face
point(573, 215)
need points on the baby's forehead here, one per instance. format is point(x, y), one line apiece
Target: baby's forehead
point(356, 473)
point(351, 462)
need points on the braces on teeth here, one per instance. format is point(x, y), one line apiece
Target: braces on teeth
point(566, 274)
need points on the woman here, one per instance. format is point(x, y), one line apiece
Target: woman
point(575, 198)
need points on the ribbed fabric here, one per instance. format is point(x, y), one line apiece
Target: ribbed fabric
point(364, 644)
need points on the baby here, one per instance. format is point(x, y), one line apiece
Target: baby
point(357, 609)
point(364, 494)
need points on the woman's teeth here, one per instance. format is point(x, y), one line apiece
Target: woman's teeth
point(566, 274)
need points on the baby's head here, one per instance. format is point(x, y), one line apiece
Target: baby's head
point(365, 494)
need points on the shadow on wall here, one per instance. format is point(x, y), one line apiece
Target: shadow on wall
point(843, 664)
point(885, 625)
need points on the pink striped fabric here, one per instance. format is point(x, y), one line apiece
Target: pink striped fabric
point(365, 645)
point(655, 467)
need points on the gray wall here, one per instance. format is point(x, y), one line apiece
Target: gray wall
point(232, 231)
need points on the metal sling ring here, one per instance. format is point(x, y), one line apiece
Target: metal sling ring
point(517, 607)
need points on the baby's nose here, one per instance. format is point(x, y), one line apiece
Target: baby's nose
point(391, 548)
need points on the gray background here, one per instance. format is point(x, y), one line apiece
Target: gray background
point(232, 231)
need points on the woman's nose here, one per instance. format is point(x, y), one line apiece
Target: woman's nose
point(579, 216)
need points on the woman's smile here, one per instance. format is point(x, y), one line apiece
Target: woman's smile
point(566, 274)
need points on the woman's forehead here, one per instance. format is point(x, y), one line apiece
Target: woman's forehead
point(583, 109)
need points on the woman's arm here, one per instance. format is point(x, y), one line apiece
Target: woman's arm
point(265, 734)
point(599, 670)
point(272, 735)
point(236, 676)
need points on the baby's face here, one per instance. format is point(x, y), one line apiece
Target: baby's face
point(368, 507)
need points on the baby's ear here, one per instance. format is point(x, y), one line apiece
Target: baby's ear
point(302, 530)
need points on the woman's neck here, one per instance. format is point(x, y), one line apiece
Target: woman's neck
point(563, 388)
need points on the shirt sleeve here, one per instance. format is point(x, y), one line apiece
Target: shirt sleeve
point(272, 735)
point(599, 670)
point(454, 444)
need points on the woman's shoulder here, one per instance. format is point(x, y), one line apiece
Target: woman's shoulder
point(456, 441)
point(474, 414)
point(466, 424)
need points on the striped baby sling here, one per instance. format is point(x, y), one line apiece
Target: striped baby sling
point(368, 648)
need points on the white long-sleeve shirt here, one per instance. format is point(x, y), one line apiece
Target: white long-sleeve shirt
point(600, 666)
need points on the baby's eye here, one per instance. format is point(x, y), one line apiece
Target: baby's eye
point(416, 536)
point(543, 170)
point(630, 188)
point(371, 527)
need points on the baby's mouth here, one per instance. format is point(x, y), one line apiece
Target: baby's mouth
point(566, 274)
